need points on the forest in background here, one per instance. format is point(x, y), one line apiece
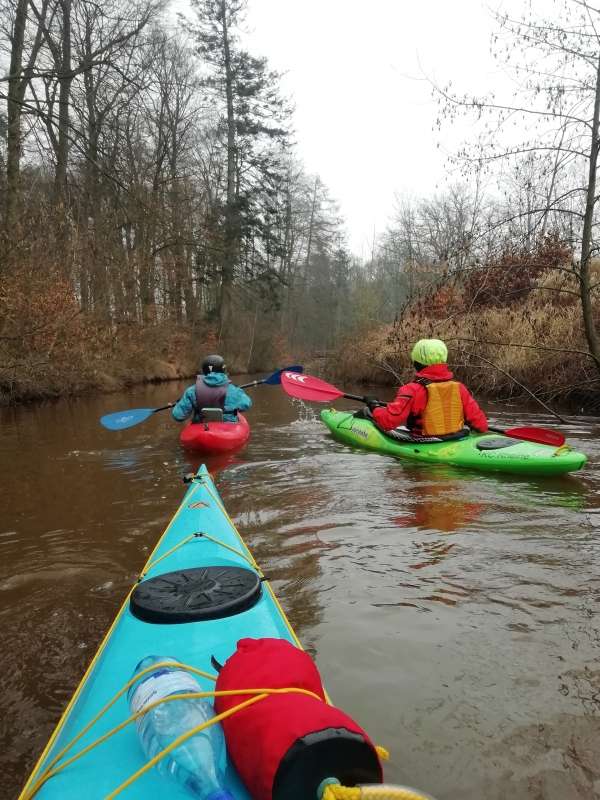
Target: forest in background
point(153, 204)
point(154, 207)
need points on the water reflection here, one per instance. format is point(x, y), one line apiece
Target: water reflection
point(215, 463)
point(278, 518)
point(436, 501)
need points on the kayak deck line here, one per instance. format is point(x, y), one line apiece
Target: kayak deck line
point(200, 482)
point(266, 583)
point(192, 537)
point(257, 696)
point(49, 772)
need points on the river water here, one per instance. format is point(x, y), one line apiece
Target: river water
point(454, 615)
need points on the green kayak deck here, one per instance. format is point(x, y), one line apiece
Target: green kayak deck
point(488, 452)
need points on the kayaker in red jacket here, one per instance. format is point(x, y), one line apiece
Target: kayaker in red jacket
point(433, 404)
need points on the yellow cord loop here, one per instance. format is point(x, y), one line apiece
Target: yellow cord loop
point(164, 555)
point(338, 792)
point(564, 448)
point(199, 535)
point(258, 694)
point(239, 553)
point(373, 792)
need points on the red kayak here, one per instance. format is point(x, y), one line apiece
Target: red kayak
point(215, 437)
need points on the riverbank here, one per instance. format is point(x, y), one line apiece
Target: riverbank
point(49, 348)
point(533, 347)
point(85, 359)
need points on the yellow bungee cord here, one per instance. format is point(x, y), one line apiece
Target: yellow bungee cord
point(330, 788)
point(375, 791)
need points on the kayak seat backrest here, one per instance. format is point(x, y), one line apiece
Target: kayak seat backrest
point(192, 595)
point(402, 434)
point(496, 444)
point(399, 434)
point(212, 414)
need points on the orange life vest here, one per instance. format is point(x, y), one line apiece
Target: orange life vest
point(443, 414)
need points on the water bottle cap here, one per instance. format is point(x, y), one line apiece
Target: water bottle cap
point(221, 794)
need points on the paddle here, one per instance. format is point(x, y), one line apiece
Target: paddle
point(120, 420)
point(530, 434)
point(273, 379)
point(306, 387)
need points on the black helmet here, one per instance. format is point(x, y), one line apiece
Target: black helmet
point(213, 364)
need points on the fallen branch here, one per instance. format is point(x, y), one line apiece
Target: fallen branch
point(526, 346)
point(385, 365)
point(558, 390)
point(529, 392)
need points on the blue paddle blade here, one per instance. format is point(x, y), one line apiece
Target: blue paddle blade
point(276, 376)
point(126, 419)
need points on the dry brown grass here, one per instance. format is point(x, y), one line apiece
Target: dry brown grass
point(48, 348)
point(538, 342)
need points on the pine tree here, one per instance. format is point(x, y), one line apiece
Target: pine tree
point(252, 121)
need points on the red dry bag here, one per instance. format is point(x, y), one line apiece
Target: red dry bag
point(285, 745)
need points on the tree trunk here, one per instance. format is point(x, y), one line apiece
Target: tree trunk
point(230, 238)
point(175, 198)
point(65, 79)
point(311, 223)
point(91, 203)
point(286, 263)
point(13, 104)
point(589, 324)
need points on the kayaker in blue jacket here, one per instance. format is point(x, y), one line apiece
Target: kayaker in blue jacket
point(212, 389)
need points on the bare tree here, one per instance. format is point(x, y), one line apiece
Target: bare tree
point(557, 102)
point(21, 67)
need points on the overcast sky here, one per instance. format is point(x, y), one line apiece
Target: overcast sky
point(364, 113)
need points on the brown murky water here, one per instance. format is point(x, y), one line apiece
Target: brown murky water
point(453, 614)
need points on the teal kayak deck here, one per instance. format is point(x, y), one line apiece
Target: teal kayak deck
point(130, 639)
point(517, 457)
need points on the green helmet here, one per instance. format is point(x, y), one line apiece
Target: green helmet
point(429, 352)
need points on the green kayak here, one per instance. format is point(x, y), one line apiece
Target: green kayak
point(485, 452)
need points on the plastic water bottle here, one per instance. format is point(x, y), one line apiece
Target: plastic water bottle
point(199, 763)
